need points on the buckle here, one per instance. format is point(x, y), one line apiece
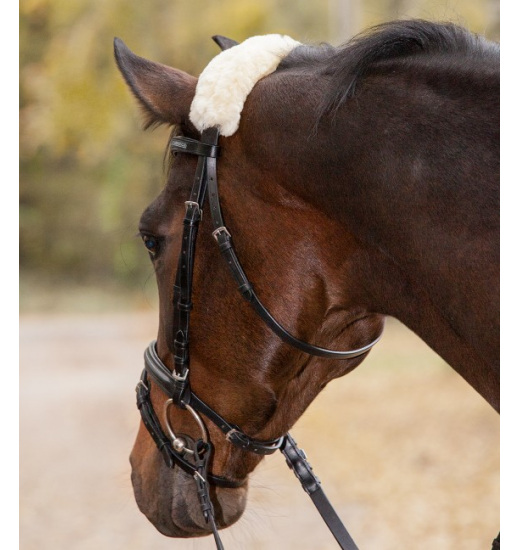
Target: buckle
point(143, 385)
point(179, 143)
point(219, 230)
point(231, 434)
point(180, 377)
point(195, 205)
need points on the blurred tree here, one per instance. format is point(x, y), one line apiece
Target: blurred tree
point(86, 171)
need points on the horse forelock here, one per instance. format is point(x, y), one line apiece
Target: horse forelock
point(225, 83)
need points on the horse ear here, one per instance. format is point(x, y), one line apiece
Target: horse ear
point(164, 93)
point(223, 42)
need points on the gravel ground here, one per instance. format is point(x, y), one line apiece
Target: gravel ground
point(415, 465)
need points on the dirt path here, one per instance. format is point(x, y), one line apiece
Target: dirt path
point(407, 451)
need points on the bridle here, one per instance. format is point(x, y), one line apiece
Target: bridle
point(194, 457)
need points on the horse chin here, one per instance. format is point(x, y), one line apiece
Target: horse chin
point(168, 498)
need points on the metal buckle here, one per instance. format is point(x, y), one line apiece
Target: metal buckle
point(194, 205)
point(141, 383)
point(219, 230)
point(180, 143)
point(180, 377)
point(197, 474)
point(230, 434)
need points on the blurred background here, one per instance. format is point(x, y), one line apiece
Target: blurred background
point(422, 460)
point(86, 169)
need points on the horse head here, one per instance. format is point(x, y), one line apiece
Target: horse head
point(308, 269)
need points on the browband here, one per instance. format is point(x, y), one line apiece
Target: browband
point(193, 147)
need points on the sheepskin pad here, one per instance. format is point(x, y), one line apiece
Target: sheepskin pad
point(228, 79)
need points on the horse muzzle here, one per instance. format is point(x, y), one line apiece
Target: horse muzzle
point(168, 497)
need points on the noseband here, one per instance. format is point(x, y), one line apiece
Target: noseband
point(194, 457)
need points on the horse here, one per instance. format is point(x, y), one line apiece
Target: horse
point(357, 182)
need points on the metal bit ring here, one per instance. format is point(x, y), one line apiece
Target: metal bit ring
point(179, 443)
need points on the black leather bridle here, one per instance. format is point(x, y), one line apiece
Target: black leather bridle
point(194, 457)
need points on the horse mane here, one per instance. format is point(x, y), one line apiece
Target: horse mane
point(346, 65)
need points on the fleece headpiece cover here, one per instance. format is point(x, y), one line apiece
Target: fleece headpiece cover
point(228, 79)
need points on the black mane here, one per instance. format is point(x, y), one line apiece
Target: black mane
point(347, 64)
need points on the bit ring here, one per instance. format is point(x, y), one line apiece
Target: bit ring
point(179, 443)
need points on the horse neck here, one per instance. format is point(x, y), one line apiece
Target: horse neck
point(421, 276)
point(416, 186)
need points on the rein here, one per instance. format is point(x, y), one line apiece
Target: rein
point(194, 457)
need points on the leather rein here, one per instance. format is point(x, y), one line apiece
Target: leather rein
point(194, 457)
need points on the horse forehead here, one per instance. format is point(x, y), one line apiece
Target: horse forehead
point(225, 83)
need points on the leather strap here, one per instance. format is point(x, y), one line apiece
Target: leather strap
point(203, 454)
point(295, 457)
point(168, 383)
point(298, 463)
point(163, 442)
point(194, 147)
point(182, 290)
point(223, 238)
point(332, 520)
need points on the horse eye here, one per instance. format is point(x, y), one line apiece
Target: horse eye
point(151, 243)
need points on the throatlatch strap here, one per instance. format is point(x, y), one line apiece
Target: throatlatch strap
point(223, 238)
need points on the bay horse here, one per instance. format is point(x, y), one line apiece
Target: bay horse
point(358, 182)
